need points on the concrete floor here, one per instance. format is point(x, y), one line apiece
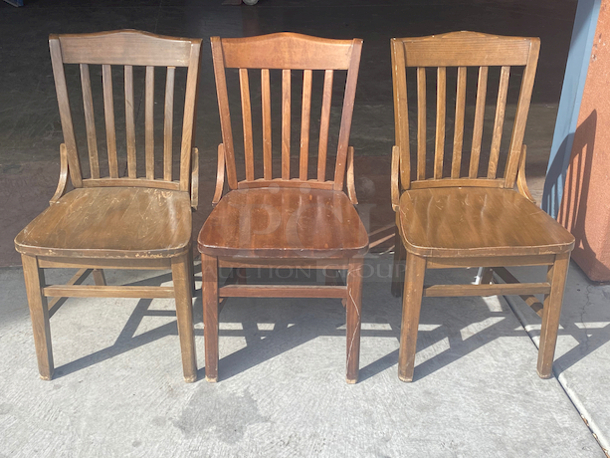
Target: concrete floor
point(118, 388)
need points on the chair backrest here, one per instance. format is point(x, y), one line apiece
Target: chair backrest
point(289, 54)
point(461, 50)
point(139, 53)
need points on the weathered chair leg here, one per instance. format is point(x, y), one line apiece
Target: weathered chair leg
point(487, 276)
point(191, 267)
point(551, 311)
point(98, 277)
point(39, 312)
point(354, 313)
point(209, 288)
point(184, 315)
point(411, 305)
point(399, 256)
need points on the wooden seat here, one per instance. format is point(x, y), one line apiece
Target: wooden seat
point(483, 222)
point(138, 216)
point(456, 206)
point(301, 219)
point(255, 223)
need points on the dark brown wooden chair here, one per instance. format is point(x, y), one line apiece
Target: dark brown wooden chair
point(301, 218)
point(138, 218)
point(461, 210)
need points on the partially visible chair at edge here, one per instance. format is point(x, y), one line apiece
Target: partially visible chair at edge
point(300, 216)
point(459, 209)
point(133, 210)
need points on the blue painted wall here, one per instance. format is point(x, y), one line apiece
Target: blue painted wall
point(574, 79)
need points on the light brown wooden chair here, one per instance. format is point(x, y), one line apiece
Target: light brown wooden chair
point(462, 210)
point(302, 218)
point(138, 218)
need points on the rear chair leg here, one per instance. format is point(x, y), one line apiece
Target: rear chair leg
point(209, 289)
point(39, 312)
point(411, 306)
point(354, 317)
point(98, 277)
point(399, 256)
point(184, 315)
point(551, 311)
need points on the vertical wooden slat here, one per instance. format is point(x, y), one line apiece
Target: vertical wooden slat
point(113, 166)
point(305, 121)
point(266, 103)
point(479, 114)
point(64, 111)
point(85, 79)
point(498, 123)
point(285, 124)
point(421, 123)
point(458, 132)
point(149, 140)
point(325, 123)
point(246, 109)
point(168, 125)
point(130, 129)
point(441, 99)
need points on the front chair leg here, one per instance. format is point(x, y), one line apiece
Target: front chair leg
point(411, 305)
point(39, 312)
point(354, 317)
point(184, 315)
point(551, 311)
point(209, 289)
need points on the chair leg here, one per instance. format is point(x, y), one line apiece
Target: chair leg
point(354, 312)
point(551, 311)
point(98, 277)
point(191, 271)
point(399, 256)
point(411, 305)
point(39, 312)
point(184, 315)
point(209, 288)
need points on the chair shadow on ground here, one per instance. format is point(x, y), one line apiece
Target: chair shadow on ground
point(450, 328)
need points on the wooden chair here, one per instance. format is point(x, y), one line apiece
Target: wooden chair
point(138, 221)
point(455, 215)
point(301, 219)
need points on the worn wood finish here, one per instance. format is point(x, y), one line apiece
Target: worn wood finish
point(113, 221)
point(471, 221)
point(458, 134)
point(477, 133)
point(209, 297)
point(305, 121)
point(149, 139)
point(130, 128)
point(168, 124)
point(89, 121)
point(265, 223)
point(288, 220)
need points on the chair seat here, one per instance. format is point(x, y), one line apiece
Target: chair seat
point(471, 221)
point(283, 223)
point(111, 222)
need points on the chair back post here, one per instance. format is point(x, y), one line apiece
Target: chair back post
point(189, 122)
point(65, 114)
point(462, 50)
point(223, 106)
point(346, 114)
